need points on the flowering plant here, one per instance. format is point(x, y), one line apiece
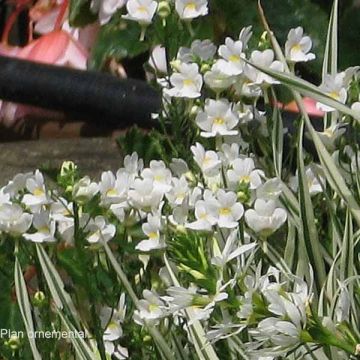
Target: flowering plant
point(236, 241)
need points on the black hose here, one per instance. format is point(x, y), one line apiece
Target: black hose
point(94, 96)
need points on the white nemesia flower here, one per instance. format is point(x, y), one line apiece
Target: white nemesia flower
point(37, 197)
point(270, 190)
point(231, 53)
point(99, 230)
point(264, 59)
point(157, 59)
point(141, 11)
point(330, 135)
point(152, 230)
point(144, 196)
point(190, 9)
point(205, 213)
point(208, 161)
point(244, 172)
point(245, 36)
point(17, 184)
point(297, 46)
point(202, 49)
point(216, 79)
point(45, 228)
point(335, 87)
point(186, 83)
point(179, 191)
point(106, 8)
point(218, 119)
point(84, 189)
point(118, 351)
point(265, 218)
point(313, 174)
point(159, 175)
point(228, 210)
point(151, 308)
point(13, 220)
point(133, 165)
point(113, 189)
point(231, 250)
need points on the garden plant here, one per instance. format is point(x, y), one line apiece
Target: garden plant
point(228, 232)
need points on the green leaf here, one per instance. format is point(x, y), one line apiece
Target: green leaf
point(118, 39)
point(80, 13)
point(25, 308)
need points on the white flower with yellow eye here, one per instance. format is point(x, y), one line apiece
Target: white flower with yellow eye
point(264, 59)
point(13, 220)
point(159, 174)
point(99, 231)
point(187, 82)
point(190, 9)
point(152, 230)
point(144, 196)
point(297, 46)
point(232, 54)
point(37, 193)
point(208, 161)
point(141, 11)
point(150, 309)
point(228, 210)
point(243, 172)
point(113, 189)
point(218, 119)
point(265, 218)
point(179, 191)
point(216, 79)
point(45, 229)
point(335, 87)
point(84, 190)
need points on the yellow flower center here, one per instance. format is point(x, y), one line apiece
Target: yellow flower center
point(142, 9)
point(245, 179)
point(111, 192)
point(112, 325)
point(219, 121)
point(334, 95)
point(153, 235)
point(158, 178)
point(190, 7)
point(44, 229)
point(188, 82)
point(153, 307)
point(296, 48)
point(38, 192)
point(225, 211)
point(234, 58)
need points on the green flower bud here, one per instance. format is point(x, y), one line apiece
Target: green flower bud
point(164, 9)
point(205, 68)
point(13, 343)
point(39, 299)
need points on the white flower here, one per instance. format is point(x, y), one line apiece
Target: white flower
point(157, 59)
point(264, 59)
point(17, 184)
point(84, 190)
point(190, 9)
point(202, 49)
point(216, 79)
point(245, 36)
point(265, 218)
point(141, 11)
point(217, 119)
point(106, 8)
point(113, 190)
point(228, 210)
point(231, 250)
point(45, 228)
point(335, 87)
point(159, 174)
point(37, 197)
point(144, 196)
point(99, 230)
point(186, 83)
point(205, 213)
point(118, 351)
point(244, 172)
point(13, 220)
point(270, 190)
point(133, 165)
point(232, 53)
point(179, 191)
point(150, 309)
point(208, 161)
point(330, 135)
point(297, 46)
point(315, 179)
point(111, 320)
point(152, 230)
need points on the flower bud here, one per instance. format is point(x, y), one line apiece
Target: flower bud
point(175, 65)
point(164, 9)
point(13, 343)
point(39, 299)
point(205, 68)
point(67, 167)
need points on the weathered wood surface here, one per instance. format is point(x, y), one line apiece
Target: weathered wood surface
point(92, 155)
